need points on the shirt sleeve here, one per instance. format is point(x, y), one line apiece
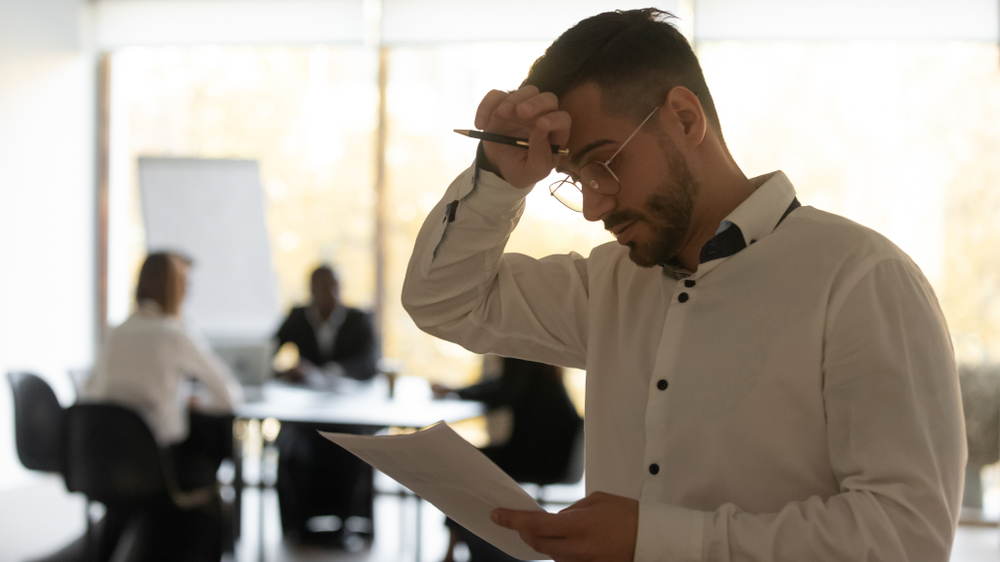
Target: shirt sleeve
point(197, 360)
point(896, 439)
point(460, 285)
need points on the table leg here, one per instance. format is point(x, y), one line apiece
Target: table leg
point(420, 505)
point(260, 498)
point(237, 514)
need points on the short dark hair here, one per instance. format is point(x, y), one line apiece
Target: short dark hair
point(159, 280)
point(323, 269)
point(634, 56)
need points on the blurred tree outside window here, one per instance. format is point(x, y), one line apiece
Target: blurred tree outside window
point(308, 115)
point(898, 136)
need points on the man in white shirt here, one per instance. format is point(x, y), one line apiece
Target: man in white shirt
point(765, 381)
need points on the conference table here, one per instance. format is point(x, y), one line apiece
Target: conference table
point(357, 403)
point(410, 406)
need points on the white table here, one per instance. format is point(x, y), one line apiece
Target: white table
point(352, 403)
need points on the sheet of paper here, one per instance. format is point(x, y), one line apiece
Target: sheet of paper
point(446, 470)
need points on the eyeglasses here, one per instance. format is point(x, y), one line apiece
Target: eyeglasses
point(596, 175)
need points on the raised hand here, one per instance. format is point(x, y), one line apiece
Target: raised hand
point(523, 113)
point(599, 527)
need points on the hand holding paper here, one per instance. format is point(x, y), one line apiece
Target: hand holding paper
point(446, 470)
point(599, 527)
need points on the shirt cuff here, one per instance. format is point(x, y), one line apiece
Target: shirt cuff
point(669, 533)
point(489, 194)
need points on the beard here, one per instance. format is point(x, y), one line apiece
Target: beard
point(667, 212)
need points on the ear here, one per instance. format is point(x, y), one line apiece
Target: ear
point(682, 117)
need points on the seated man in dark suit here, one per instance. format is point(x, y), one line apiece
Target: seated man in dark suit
point(316, 477)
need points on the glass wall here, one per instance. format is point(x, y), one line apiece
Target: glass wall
point(308, 115)
point(895, 135)
point(432, 90)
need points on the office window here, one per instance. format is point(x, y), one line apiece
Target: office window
point(308, 115)
point(895, 135)
point(432, 90)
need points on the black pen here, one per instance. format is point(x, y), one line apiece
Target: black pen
point(504, 139)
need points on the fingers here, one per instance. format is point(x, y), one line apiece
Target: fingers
point(593, 498)
point(536, 523)
point(557, 125)
point(599, 527)
point(523, 113)
point(545, 532)
point(486, 107)
point(520, 108)
point(508, 107)
point(533, 523)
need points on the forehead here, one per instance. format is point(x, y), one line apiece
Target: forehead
point(591, 126)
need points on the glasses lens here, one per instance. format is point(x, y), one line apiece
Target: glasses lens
point(599, 177)
point(568, 193)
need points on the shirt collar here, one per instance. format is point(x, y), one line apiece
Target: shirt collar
point(150, 307)
point(336, 317)
point(756, 217)
point(766, 207)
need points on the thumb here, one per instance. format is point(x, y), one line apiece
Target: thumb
point(501, 517)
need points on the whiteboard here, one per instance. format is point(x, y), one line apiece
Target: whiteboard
point(213, 212)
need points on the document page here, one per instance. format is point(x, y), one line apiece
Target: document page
point(446, 470)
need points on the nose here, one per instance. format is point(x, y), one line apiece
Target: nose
point(596, 206)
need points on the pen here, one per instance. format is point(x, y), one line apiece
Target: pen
point(504, 139)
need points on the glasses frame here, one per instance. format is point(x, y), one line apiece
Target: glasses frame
point(554, 186)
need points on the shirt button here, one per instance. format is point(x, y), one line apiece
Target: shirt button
point(654, 468)
point(683, 297)
point(662, 384)
point(689, 283)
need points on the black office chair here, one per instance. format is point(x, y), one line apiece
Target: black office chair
point(571, 474)
point(112, 458)
point(38, 423)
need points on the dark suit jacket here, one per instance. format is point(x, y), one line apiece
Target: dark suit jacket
point(356, 348)
point(545, 422)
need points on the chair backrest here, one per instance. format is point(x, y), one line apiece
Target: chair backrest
point(111, 456)
point(38, 422)
point(569, 473)
point(574, 467)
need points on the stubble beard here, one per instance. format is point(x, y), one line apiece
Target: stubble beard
point(667, 212)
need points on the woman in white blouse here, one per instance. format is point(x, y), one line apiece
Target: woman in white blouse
point(144, 365)
point(146, 360)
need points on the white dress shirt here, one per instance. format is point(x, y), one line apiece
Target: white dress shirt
point(143, 363)
point(795, 400)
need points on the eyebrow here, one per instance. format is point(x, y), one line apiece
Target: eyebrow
point(579, 154)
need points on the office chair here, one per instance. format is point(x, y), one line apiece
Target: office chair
point(571, 474)
point(112, 458)
point(38, 423)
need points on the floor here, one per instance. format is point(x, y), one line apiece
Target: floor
point(40, 517)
